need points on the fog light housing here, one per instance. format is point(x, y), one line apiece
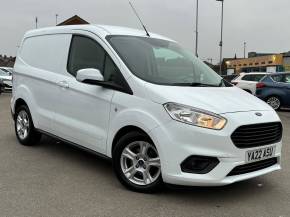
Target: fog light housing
point(199, 164)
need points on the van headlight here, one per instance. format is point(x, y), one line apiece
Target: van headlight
point(194, 116)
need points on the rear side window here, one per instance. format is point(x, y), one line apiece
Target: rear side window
point(248, 78)
point(277, 78)
point(287, 78)
point(267, 79)
point(85, 53)
point(253, 77)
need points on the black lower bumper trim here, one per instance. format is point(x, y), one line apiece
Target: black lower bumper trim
point(252, 167)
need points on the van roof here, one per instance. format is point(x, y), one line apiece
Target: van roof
point(100, 30)
point(254, 73)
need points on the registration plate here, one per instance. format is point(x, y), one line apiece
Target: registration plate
point(260, 154)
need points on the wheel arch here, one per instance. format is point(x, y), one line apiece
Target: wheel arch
point(19, 102)
point(247, 90)
point(24, 96)
point(123, 131)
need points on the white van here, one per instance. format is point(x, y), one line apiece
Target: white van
point(159, 112)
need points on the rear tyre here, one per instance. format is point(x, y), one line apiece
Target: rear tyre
point(137, 164)
point(24, 128)
point(274, 102)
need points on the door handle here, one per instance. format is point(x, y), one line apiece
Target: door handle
point(63, 84)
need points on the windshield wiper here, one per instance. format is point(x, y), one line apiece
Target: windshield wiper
point(194, 84)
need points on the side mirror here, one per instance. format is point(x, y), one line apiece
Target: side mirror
point(90, 76)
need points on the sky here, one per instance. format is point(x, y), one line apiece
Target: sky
point(263, 24)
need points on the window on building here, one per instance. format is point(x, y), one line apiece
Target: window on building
point(280, 68)
point(270, 62)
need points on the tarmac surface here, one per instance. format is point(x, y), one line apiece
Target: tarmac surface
point(55, 179)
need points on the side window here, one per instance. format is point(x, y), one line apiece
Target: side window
point(259, 77)
point(277, 78)
point(112, 73)
point(287, 78)
point(247, 78)
point(253, 77)
point(85, 53)
point(267, 79)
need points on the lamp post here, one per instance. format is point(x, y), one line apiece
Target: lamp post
point(56, 21)
point(221, 42)
point(36, 22)
point(245, 47)
point(196, 30)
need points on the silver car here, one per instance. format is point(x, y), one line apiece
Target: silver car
point(6, 79)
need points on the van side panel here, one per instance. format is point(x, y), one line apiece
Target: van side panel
point(39, 60)
point(45, 52)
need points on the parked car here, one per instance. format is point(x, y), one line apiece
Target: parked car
point(248, 81)
point(229, 78)
point(6, 78)
point(1, 86)
point(9, 70)
point(275, 90)
point(156, 110)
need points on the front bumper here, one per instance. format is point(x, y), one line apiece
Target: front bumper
point(7, 86)
point(177, 141)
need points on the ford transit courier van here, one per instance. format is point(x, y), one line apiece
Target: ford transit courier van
point(159, 112)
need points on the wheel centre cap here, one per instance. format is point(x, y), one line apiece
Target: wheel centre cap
point(141, 162)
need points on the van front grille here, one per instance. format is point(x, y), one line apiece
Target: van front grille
point(255, 135)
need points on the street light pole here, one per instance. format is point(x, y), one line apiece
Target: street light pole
point(245, 46)
point(36, 22)
point(221, 42)
point(196, 30)
point(56, 21)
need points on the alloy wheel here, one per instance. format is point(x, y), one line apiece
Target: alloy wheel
point(22, 125)
point(274, 102)
point(140, 163)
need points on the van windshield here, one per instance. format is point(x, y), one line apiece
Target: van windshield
point(164, 62)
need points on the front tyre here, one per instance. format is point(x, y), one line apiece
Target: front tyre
point(137, 164)
point(24, 128)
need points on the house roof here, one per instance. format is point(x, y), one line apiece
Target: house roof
point(75, 20)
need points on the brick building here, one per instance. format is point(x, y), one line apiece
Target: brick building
point(75, 20)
